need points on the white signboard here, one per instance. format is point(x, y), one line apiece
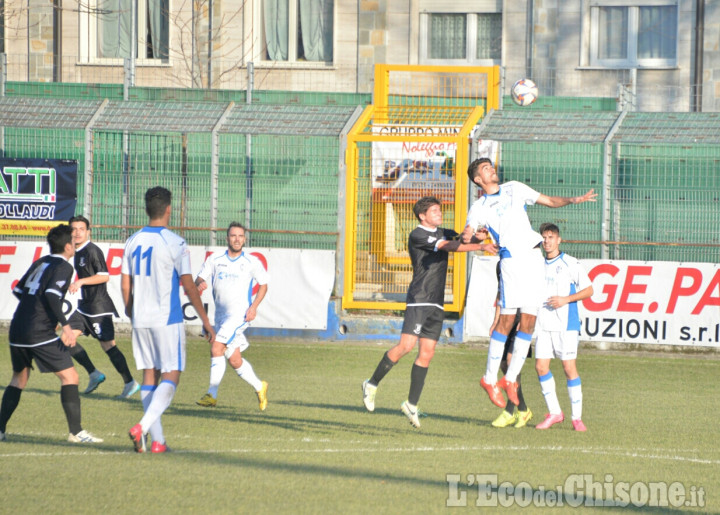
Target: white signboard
point(299, 289)
point(633, 302)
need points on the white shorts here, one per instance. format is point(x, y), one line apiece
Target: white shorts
point(231, 333)
point(522, 282)
point(561, 344)
point(161, 348)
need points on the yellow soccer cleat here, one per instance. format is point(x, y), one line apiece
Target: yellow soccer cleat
point(207, 401)
point(505, 419)
point(523, 418)
point(262, 396)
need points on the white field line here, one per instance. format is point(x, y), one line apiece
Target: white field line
point(644, 454)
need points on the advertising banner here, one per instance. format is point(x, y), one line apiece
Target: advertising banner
point(36, 194)
point(655, 302)
point(301, 282)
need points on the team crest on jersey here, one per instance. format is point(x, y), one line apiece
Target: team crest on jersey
point(418, 328)
point(82, 261)
point(432, 239)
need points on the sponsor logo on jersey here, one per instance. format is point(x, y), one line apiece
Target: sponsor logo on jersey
point(60, 284)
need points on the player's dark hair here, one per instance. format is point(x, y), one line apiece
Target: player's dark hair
point(80, 218)
point(58, 237)
point(472, 169)
point(157, 200)
point(547, 226)
point(236, 224)
point(425, 203)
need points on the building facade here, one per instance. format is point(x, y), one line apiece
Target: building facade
point(661, 55)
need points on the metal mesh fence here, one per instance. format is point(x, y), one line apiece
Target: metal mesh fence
point(658, 176)
point(273, 168)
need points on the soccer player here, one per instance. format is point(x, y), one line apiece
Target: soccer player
point(95, 310)
point(155, 264)
point(566, 283)
point(32, 333)
point(509, 416)
point(428, 246)
point(233, 274)
point(502, 211)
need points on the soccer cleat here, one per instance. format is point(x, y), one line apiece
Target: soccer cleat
point(550, 420)
point(369, 391)
point(130, 389)
point(411, 414)
point(510, 389)
point(496, 396)
point(138, 438)
point(578, 425)
point(3, 438)
point(157, 448)
point(262, 396)
point(505, 419)
point(523, 418)
point(84, 437)
point(207, 401)
point(96, 378)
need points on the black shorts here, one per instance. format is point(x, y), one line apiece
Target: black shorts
point(423, 321)
point(100, 327)
point(49, 357)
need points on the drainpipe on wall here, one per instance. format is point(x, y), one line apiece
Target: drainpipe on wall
point(699, 54)
point(530, 39)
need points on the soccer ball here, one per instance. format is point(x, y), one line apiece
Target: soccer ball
point(524, 92)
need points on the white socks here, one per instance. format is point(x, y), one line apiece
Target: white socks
point(155, 404)
point(248, 374)
point(547, 385)
point(217, 371)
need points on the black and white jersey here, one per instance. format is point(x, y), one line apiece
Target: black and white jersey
point(89, 261)
point(34, 322)
point(429, 266)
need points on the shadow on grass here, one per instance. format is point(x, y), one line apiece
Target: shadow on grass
point(303, 424)
point(383, 411)
point(456, 492)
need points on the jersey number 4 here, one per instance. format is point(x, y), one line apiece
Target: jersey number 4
point(138, 255)
point(33, 282)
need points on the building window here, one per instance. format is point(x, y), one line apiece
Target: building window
point(298, 30)
point(106, 29)
point(634, 36)
point(460, 38)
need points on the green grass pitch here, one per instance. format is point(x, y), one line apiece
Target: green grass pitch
point(650, 418)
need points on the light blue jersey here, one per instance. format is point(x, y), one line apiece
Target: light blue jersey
point(232, 281)
point(504, 215)
point(155, 258)
point(564, 275)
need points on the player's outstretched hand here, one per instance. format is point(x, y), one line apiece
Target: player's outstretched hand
point(590, 196)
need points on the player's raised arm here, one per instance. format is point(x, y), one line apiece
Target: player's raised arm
point(460, 246)
point(547, 201)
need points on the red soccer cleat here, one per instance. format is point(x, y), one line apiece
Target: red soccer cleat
point(511, 389)
point(157, 448)
point(496, 396)
point(138, 438)
point(550, 420)
point(578, 425)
